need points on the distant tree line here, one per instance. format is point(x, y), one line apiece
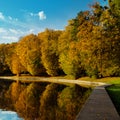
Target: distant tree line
point(43, 101)
point(89, 45)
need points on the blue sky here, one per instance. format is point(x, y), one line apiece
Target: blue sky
point(21, 17)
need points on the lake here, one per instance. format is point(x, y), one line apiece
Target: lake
point(42, 100)
point(9, 115)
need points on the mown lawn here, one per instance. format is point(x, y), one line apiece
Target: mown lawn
point(114, 92)
point(109, 80)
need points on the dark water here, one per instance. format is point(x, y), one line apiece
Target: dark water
point(9, 115)
point(40, 100)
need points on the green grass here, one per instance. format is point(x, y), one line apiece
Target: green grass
point(114, 92)
point(109, 80)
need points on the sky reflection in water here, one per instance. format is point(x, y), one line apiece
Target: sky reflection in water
point(8, 115)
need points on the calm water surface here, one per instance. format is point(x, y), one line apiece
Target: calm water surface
point(9, 115)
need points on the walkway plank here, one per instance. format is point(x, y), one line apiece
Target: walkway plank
point(98, 107)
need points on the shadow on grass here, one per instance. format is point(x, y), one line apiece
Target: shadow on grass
point(114, 92)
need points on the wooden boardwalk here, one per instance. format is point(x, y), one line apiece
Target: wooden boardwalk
point(98, 107)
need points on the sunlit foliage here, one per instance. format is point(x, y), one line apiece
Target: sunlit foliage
point(28, 51)
point(89, 45)
point(49, 50)
point(115, 6)
point(69, 58)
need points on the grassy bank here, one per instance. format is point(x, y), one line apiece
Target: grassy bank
point(109, 80)
point(114, 92)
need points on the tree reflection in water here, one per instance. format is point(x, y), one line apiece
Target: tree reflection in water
point(43, 101)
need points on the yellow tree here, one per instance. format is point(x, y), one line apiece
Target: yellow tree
point(111, 31)
point(99, 41)
point(49, 50)
point(28, 51)
point(16, 66)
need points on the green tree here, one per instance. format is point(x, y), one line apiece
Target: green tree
point(70, 59)
point(115, 6)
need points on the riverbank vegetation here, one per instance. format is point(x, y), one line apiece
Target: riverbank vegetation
point(43, 101)
point(89, 45)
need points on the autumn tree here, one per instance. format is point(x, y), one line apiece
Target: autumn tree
point(115, 6)
point(99, 38)
point(9, 51)
point(111, 29)
point(87, 44)
point(49, 50)
point(70, 59)
point(28, 51)
point(4, 68)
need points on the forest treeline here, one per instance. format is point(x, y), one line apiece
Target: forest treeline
point(43, 101)
point(89, 45)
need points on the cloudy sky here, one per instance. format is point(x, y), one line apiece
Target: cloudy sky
point(22, 17)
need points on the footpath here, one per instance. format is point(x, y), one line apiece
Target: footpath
point(50, 79)
point(98, 107)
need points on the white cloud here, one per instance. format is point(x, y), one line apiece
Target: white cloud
point(1, 16)
point(31, 31)
point(8, 35)
point(42, 15)
point(19, 28)
point(32, 14)
point(2, 30)
point(9, 17)
point(11, 38)
point(13, 31)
